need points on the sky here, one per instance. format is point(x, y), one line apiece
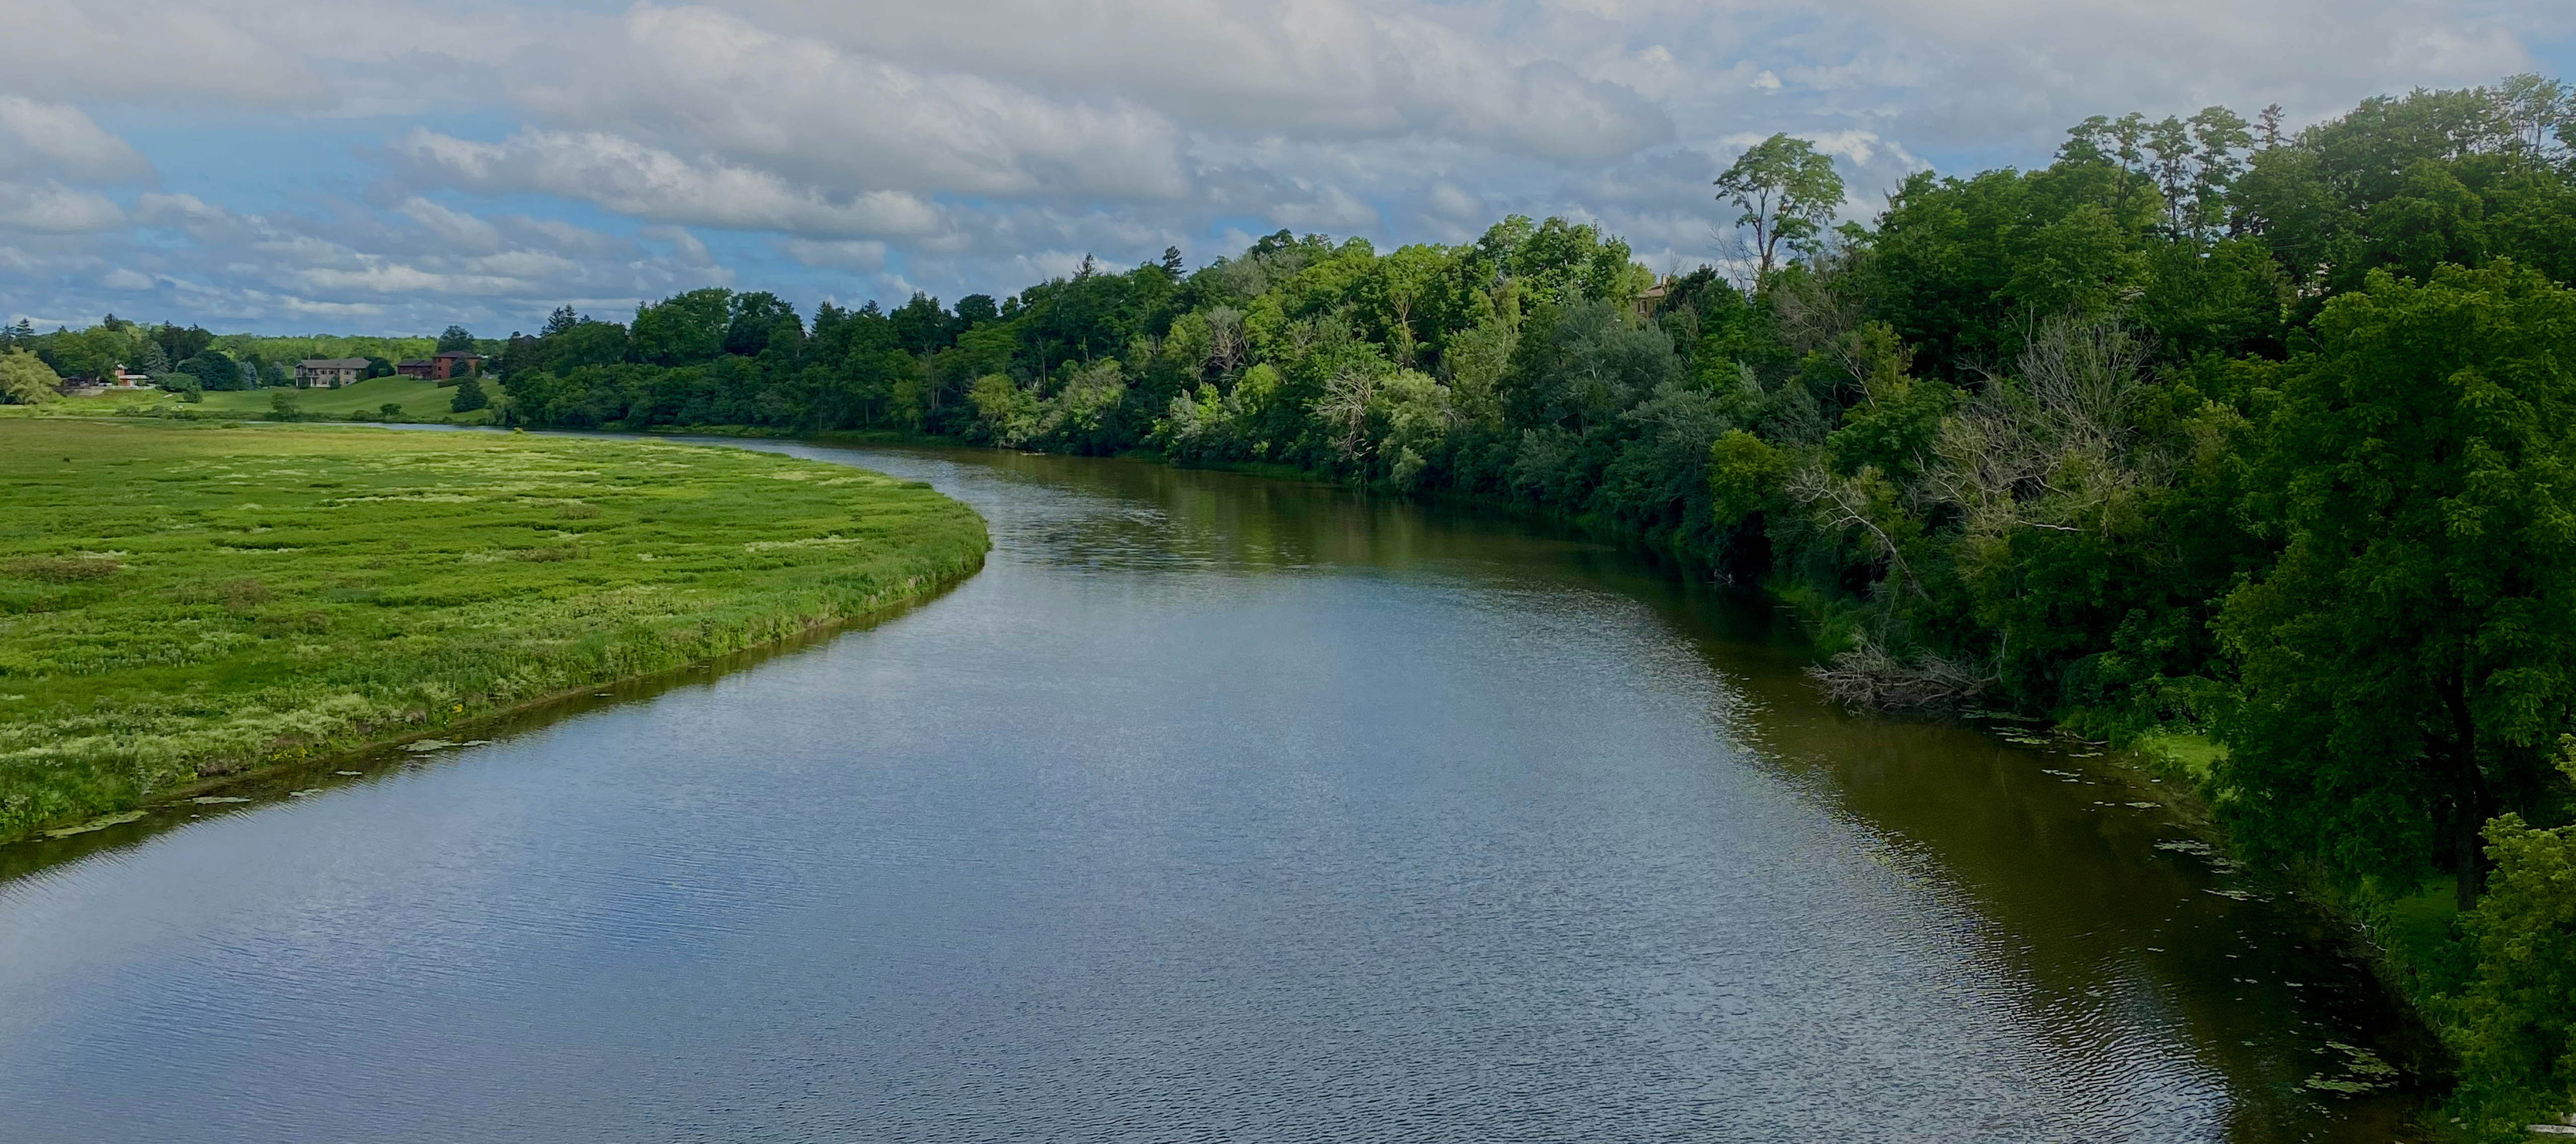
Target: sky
point(391, 166)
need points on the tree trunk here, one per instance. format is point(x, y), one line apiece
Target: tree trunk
point(2468, 794)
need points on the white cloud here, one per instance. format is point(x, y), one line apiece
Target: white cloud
point(50, 207)
point(700, 79)
point(146, 51)
point(55, 138)
point(458, 230)
point(649, 183)
point(1454, 202)
point(848, 254)
point(1323, 66)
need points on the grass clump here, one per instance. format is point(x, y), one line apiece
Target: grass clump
point(181, 601)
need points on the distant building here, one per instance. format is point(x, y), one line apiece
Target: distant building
point(454, 364)
point(1652, 297)
point(329, 373)
point(122, 378)
point(422, 368)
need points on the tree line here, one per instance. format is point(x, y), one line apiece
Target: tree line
point(192, 359)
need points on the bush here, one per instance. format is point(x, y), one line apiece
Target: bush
point(469, 397)
point(2516, 1026)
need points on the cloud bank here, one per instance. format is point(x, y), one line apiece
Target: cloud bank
point(291, 164)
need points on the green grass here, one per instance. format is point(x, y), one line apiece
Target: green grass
point(180, 601)
point(2189, 757)
point(421, 401)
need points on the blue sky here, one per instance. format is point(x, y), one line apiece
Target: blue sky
point(391, 166)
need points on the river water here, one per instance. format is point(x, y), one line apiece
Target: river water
point(1214, 808)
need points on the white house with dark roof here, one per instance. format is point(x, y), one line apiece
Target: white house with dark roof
point(329, 373)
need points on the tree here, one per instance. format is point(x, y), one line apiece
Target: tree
point(921, 326)
point(1404, 280)
point(455, 338)
point(560, 320)
point(1788, 193)
point(215, 370)
point(757, 316)
point(390, 411)
point(1172, 264)
point(469, 397)
point(2414, 651)
point(685, 329)
point(25, 380)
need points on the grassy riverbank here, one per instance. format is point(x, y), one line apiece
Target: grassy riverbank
point(179, 602)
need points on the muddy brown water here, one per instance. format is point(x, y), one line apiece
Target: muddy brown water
point(1214, 808)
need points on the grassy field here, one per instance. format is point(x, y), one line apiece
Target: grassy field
point(180, 601)
point(422, 402)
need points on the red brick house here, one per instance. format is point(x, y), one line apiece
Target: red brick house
point(455, 364)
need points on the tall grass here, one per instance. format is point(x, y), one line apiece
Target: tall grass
point(183, 601)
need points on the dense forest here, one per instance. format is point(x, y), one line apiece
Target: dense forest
point(2206, 428)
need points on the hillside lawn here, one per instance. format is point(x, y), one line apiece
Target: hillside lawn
point(423, 402)
point(180, 601)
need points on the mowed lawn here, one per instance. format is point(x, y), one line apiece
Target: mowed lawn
point(420, 401)
point(187, 600)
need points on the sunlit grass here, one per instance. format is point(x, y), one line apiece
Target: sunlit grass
point(178, 601)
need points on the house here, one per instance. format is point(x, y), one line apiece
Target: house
point(1652, 297)
point(329, 373)
point(123, 378)
point(455, 364)
point(422, 368)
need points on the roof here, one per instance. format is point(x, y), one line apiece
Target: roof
point(457, 354)
point(413, 361)
point(332, 363)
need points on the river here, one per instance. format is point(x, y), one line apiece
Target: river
point(1214, 808)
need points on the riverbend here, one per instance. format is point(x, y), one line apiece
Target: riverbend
point(1213, 808)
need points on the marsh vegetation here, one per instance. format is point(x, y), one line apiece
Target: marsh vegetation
point(182, 602)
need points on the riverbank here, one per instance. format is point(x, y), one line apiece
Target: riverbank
point(184, 602)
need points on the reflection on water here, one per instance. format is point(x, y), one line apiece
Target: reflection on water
point(1215, 807)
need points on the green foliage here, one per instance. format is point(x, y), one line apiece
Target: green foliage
point(183, 602)
point(2515, 1025)
point(25, 379)
point(2413, 653)
point(1746, 475)
point(469, 397)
